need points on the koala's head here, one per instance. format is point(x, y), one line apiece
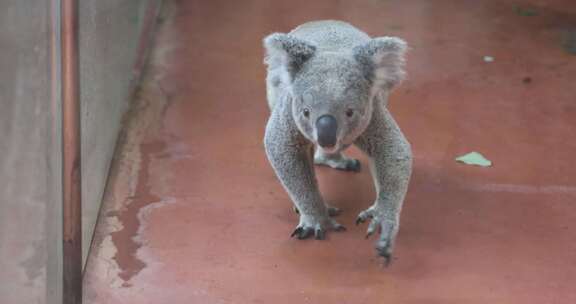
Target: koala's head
point(333, 92)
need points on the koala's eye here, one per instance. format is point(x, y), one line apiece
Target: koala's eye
point(349, 112)
point(306, 113)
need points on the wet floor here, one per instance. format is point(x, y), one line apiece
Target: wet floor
point(195, 214)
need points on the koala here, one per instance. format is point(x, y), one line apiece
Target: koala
point(327, 88)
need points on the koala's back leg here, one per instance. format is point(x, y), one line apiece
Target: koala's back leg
point(337, 161)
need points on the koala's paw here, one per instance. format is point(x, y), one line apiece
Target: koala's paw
point(332, 211)
point(316, 226)
point(340, 163)
point(387, 228)
point(350, 164)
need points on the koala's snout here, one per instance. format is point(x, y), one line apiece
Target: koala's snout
point(326, 129)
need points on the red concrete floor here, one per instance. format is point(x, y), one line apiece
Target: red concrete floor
point(195, 214)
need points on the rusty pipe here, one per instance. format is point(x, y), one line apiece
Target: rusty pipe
point(71, 155)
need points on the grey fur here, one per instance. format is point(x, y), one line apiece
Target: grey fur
point(332, 68)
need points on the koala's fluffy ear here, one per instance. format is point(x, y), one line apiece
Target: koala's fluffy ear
point(283, 50)
point(383, 59)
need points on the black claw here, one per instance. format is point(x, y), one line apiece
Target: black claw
point(305, 233)
point(387, 260)
point(387, 257)
point(296, 210)
point(359, 220)
point(369, 234)
point(296, 231)
point(384, 251)
point(319, 234)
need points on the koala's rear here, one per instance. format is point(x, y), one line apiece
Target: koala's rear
point(327, 88)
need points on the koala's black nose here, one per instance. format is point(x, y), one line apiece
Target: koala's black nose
point(326, 127)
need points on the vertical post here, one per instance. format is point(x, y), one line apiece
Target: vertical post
point(71, 158)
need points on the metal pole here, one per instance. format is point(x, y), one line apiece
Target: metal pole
point(71, 158)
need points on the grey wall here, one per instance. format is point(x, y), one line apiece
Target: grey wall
point(109, 35)
point(30, 188)
point(29, 157)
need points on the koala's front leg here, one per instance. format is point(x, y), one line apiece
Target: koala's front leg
point(290, 154)
point(390, 159)
point(337, 161)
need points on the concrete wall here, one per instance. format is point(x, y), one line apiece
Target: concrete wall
point(109, 35)
point(30, 213)
point(30, 191)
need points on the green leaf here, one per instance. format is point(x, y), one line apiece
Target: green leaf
point(474, 158)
